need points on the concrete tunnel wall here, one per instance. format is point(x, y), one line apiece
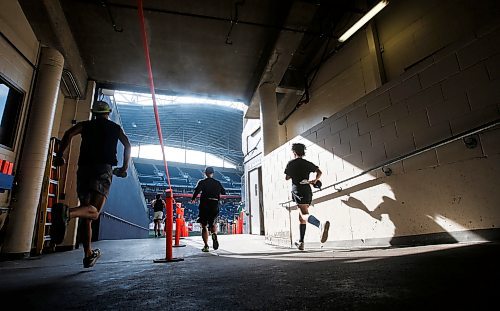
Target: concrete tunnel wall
point(442, 62)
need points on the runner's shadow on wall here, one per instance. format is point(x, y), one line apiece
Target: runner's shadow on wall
point(404, 223)
point(344, 192)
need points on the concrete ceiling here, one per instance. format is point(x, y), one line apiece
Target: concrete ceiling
point(216, 48)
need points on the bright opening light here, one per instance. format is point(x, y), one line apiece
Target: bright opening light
point(382, 4)
point(130, 98)
point(173, 154)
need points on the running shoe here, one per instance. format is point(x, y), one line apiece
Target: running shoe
point(90, 260)
point(300, 245)
point(324, 231)
point(205, 249)
point(215, 241)
point(59, 219)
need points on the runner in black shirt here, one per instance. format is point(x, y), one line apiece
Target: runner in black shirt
point(94, 176)
point(210, 189)
point(298, 170)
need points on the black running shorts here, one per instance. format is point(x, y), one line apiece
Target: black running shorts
point(208, 212)
point(93, 178)
point(302, 195)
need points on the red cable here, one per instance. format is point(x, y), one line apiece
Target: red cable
point(152, 87)
point(169, 200)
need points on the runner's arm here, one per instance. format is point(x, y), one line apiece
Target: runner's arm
point(68, 135)
point(318, 175)
point(197, 190)
point(287, 176)
point(126, 153)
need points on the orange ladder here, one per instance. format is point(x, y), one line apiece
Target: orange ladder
point(48, 197)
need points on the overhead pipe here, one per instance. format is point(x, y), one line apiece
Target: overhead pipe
point(104, 3)
point(234, 20)
point(73, 86)
point(221, 19)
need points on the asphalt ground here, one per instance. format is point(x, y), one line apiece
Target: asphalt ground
point(248, 274)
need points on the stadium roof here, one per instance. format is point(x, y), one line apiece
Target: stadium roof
point(193, 126)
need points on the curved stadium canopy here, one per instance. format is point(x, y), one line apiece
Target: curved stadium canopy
point(190, 125)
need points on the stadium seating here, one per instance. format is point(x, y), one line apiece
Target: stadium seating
point(145, 169)
point(153, 183)
point(235, 178)
point(193, 173)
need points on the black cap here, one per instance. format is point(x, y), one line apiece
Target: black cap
point(209, 170)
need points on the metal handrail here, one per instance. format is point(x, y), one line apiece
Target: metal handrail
point(411, 154)
point(124, 221)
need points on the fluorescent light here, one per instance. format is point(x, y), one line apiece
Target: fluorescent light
point(364, 20)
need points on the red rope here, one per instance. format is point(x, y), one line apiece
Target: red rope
point(152, 87)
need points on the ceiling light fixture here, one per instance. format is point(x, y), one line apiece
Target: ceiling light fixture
point(382, 4)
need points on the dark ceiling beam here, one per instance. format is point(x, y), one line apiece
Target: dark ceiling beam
point(277, 27)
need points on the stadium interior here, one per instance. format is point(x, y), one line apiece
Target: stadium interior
point(189, 125)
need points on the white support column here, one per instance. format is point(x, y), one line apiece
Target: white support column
point(31, 169)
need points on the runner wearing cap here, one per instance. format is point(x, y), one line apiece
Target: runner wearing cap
point(210, 189)
point(95, 173)
point(298, 170)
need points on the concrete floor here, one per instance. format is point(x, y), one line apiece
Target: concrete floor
point(247, 274)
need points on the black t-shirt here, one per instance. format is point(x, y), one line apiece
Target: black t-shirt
point(299, 169)
point(210, 189)
point(158, 205)
point(99, 139)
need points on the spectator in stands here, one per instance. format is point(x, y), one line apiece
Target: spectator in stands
point(298, 170)
point(158, 206)
point(210, 189)
point(94, 176)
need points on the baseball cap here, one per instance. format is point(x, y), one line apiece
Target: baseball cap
point(209, 170)
point(101, 107)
